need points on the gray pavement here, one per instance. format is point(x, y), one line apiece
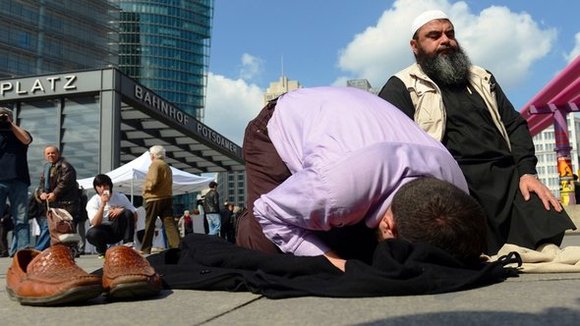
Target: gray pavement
point(531, 299)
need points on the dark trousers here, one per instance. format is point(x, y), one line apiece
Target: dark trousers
point(163, 209)
point(3, 241)
point(122, 228)
point(264, 171)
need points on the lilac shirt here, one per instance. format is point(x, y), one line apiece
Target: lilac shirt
point(348, 152)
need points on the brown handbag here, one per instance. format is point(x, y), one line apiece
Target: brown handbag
point(61, 226)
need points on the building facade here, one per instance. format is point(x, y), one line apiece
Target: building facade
point(102, 119)
point(232, 187)
point(283, 85)
point(47, 36)
point(164, 45)
point(545, 145)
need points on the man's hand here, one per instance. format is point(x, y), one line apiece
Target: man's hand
point(20, 133)
point(50, 196)
point(335, 260)
point(114, 212)
point(530, 183)
point(105, 197)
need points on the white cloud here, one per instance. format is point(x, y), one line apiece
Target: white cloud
point(496, 38)
point(575, 51)
point(230, 105)
point(251, 67)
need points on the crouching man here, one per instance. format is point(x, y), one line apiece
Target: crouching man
point(111, 214)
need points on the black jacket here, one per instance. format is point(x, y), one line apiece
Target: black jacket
point(211, 202)
point(63, 183)
point(398, 268)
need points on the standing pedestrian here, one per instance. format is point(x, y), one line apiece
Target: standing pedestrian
point(58, 188)
point(211, 207)
point(14, 177)
point(157, 194)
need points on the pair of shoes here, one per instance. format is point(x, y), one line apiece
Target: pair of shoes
point(128, 275)
point(49, 278)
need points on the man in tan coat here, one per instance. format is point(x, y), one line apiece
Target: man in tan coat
point(157, 192)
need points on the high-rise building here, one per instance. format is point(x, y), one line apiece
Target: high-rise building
point(280, 87)
point(545, 145)
point(47, 47)
point(232, 187)
point(164, 45)
point(46, 36)
point(363, 84)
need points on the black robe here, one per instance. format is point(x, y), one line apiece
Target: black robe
point(492, 171)
point(398, 268)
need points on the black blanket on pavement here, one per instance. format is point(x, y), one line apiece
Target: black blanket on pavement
point(399, 268)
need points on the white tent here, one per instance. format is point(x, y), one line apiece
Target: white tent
point(129, 178)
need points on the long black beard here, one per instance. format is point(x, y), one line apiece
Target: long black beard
point(446, 69)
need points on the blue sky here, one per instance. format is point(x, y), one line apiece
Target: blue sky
point(326, 42)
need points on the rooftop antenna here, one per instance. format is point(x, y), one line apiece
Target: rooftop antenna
point(282, 65)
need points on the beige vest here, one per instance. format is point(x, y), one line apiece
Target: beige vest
point(430, 113)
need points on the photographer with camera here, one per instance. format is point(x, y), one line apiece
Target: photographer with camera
point(14, 177)
point(111, 214)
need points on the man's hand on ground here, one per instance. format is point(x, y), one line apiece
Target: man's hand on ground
point(335, 260)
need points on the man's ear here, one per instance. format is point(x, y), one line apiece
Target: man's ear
point(414, 46)
point(387, 227)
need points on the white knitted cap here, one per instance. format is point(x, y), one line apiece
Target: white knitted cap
point(426, 17)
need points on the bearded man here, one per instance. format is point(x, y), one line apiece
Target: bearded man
point(463, 106)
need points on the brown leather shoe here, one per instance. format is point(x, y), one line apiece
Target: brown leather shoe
point(127, 275)
point(49, 278)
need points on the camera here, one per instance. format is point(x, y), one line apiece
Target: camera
point(4, 121)
point(106, 193)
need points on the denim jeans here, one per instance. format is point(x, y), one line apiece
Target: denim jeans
point(214, 221)
point(43, 240)
point(17, 193)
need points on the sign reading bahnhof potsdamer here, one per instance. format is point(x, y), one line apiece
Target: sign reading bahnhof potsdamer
point(105, 119)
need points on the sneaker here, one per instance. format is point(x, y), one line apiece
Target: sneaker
point(156, 250)
point(129, 244)
point(101, 256)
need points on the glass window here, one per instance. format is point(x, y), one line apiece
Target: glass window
point(80, 139)
point(41, 120)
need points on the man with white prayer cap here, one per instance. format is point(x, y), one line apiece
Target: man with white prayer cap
point(463, 106)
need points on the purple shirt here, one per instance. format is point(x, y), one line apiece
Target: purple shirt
point(349, 151)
